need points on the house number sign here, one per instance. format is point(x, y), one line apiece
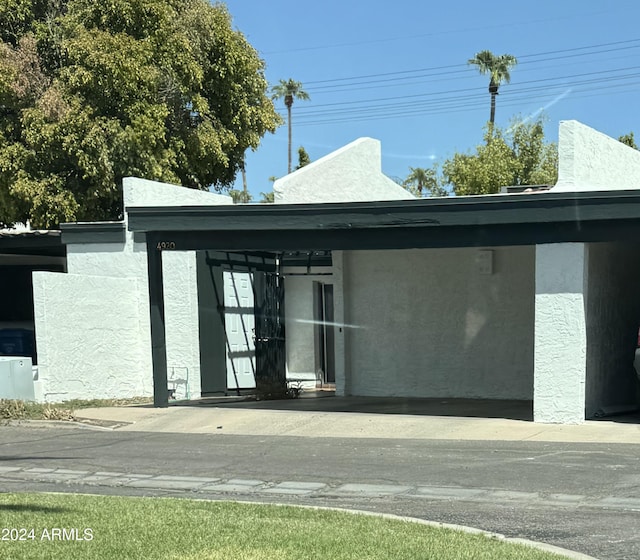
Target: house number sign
point(165, 245)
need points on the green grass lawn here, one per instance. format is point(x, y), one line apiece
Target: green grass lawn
point(153, 528)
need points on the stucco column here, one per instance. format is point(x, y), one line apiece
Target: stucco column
point(560, 333)
point(342, 386)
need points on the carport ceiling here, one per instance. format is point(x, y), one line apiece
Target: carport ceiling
point(511, 219)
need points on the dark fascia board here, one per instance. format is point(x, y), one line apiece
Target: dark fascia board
point(93, 232)
point(478, 235)
point(43, 243)
point(534, 208)
point(498, 220)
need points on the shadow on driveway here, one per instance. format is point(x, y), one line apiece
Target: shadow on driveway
point(325, 401)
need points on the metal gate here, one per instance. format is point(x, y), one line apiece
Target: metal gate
point(269, 333)
point(247, 296)
point(238, 319)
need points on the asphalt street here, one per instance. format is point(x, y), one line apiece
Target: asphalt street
point(583, 497)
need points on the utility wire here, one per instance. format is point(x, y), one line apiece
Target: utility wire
point(514, 87)
point(454, 66)
point(440, 106)
point(463, 99)
point(418, 112)
point(464, 70)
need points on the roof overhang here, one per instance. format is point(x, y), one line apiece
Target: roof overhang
point(47, 243)
point(512, 219)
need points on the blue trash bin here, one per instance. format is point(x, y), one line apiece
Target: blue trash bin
point(17, 342)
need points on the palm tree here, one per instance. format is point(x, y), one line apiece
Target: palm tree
point(421, 178)
point(498, 68)
point(243, 170)
point(289, 90)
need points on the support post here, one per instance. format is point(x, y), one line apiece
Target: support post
point(211, 325)
point(342, 373)
point(158, 335)
point(560, 333)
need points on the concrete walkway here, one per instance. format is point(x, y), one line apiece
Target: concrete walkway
point(382, 418)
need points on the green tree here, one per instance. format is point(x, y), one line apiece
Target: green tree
point(240, 197)
point(267, 198)
point(91, 92)
point(629, 140)
point(289, 90)
point(303, 158)
point(421, 179)
point(498, 68)
point(517, 156)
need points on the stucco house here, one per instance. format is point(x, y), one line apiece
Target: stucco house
point(106, 269)
point(527, 297)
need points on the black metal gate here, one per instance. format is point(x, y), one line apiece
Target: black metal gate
point(268, 289)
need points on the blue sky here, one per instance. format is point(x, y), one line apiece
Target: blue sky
point(398, 72)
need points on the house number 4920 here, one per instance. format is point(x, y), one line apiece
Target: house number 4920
point(164, 245)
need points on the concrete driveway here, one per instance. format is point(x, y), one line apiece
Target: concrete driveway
point(323, 415)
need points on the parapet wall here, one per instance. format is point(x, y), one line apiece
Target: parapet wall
point(590, 160)
point(352, 173)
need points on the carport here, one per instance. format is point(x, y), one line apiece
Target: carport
point(21, 253)
point(583, 249)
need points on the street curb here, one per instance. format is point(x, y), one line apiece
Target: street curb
point(570, 554)
point(573, 555)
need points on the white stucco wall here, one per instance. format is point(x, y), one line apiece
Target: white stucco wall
point(128, 262)
point(429, 323)
point(141, 192)
point(590, 160)
point(560, 333)
point(118, 260)
point(352, 173)
point(93, 346)
point(123, 269)
point(181, 323)
point(613, 318)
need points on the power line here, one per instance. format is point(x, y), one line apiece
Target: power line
point(304, 110)
point(418, 81)
point(453, 66)
point(393, 112)
point(464, 99)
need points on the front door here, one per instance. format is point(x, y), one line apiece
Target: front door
point(324, 332)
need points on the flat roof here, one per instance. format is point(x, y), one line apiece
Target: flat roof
point(502, 219)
